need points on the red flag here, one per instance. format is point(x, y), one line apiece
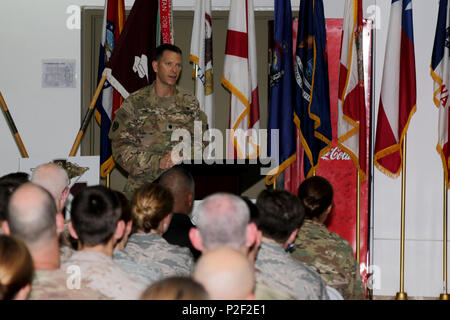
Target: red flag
point(129, 68)
point(398, 89)
point(240, 77)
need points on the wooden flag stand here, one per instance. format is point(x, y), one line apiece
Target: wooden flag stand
point(13, 127)
point(86, 120)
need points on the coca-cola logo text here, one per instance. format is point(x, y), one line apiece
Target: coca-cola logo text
point(336, 154)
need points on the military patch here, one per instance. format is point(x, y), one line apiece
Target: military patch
point(115, 126)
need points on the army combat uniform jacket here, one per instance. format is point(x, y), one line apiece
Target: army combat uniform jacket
point(331, 256)
point(142, 130)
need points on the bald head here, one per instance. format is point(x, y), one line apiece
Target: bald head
point(182, 186)
point(222, 220)
point(31, 215)
point(54, 179)
point(226, 274)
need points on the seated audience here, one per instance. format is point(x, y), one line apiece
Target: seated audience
point(147, 254)
point(226, 274)
point(31, 217)
point(182, 186)
point(16, 177)
point(329, 254)
point(16, 269)
point(175, 288)
point(280, 217)
point(97, 226)
point(223, 220)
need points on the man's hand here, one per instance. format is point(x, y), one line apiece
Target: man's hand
point(169, 160)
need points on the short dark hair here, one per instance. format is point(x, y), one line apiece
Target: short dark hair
point(95, 214)
point(125, 206)
point(280, 213)
point(6, 190)
point(159, 51)
point(177, 179)
point(16, 177)
point(316, 194)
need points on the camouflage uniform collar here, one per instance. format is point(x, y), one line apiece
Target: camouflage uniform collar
point(313, 222)
point(152, 90)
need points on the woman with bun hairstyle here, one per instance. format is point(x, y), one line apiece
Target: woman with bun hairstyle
point(147, 254)
point(328, 253)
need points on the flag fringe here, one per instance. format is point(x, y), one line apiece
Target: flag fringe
point(394, 148)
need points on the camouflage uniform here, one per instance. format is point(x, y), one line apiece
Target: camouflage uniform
point(265, 291)
point(65, 253)
point(280, 270)
point(102, 274)
point(151, 258)
point(331, 256)
point(141, 132)
point(52, 285)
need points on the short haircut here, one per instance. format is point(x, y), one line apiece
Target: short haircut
point(159, 51)
point(222, 220)
point(316, 194)
point(32, 214)
point(178, 180)
point(280, 213)
point(175, 288)
point(52, 177)
point(150, 205)
point(125, 206)
point(16, 177)
point(16, 267)
point(95, 213)
point(6, 190)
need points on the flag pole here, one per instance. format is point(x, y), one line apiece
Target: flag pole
point(13, 127)
point(108, 181)
point(402, 294)
point(444, 296)
point(358, 217)
point(87, 117)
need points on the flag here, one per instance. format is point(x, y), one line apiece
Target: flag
point(440, 73)
point(282, 92)
point(109, 99)
point(351, 124)
point(164, 26)
point(240, 78)
point(398, 89)
point(129, 68)
point(201, 56)
point(312, 108)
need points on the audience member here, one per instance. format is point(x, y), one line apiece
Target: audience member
point(175, 288)
point(7, 187)
point(16, 177)
point(16, 269)
point(97, 226)
point(31, 217)
point(54, 179)
point(147, 254)
point(329, 254)
point(182, 186)
point(226, 274)
point(280, 216)
point(223, 220)
point(126, 218)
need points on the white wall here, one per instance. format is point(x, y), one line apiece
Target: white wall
point(48, 120)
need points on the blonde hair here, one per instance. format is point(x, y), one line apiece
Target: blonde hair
point(16, 266)
point(175, 288)
point(150, 205)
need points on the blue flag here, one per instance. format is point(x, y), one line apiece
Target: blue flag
point(109, 100)
point(312, 108)
point(282, 94)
